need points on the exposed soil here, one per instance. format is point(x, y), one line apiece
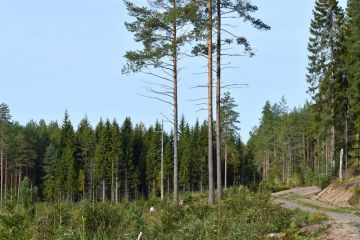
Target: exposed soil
point(338, 194)
point(343, 224)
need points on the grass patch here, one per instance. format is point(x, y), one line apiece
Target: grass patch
point(326, 209)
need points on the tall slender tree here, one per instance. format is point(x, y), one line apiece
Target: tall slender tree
point(5, 118)
point(115, 160)
point(229, 124)
point(352, 43)
point(242, 10)
point(161, 30)
point(128, 171)
point(210, 101)
point(323, 46)
point(85, 142)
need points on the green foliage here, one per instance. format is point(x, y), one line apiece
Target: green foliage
point(15, 221)
point(242, 215)
point(28, 194)
point(355, 199)
point(14, 226)
point(100, 219)
point(187, 198)
point(272, 187)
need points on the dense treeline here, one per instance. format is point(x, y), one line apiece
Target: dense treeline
point(111, 161)
point(287, 147)
point(304, 145)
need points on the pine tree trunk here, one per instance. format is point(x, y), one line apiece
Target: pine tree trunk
point(332, 152)
point(19, 184)
point(89, 173)
point(93, 184)
point(201, 180)
point(6, 177)
point(168, 185)
point(162, 162)
point(332, 97)
point(326, 160)
point(304, 148)
point(210, 105)
point(291, 164)
point(154, 187)
point(283, 164)
point(116, 192)
point(307, 151)
point(117, 183)
point(175, 107)
point(346, 136)
point(126, 185)
point(341, 165)
point(2, 170)
point(357, 145)
point(112, 181)
point(264, 166)
point(218, 96)
point(225, 159)
point(103, 190)
point(317, 159)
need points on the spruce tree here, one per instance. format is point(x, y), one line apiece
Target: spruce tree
point(99, 163)
point(139, 156)
point(115, 157)
point(185, 156)
point(323, 47)
point(353, 59)
point(85, 144)
point(49, 164)
point(5, 118)
point(129, 173)
point(229, 125)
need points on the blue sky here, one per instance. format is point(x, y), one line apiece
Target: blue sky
point(67, 54)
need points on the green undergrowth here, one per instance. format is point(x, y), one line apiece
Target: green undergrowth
point(241, 215)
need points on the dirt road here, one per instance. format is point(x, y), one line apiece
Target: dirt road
point(344, 222)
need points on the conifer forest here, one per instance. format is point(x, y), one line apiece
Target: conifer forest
point(121, 179)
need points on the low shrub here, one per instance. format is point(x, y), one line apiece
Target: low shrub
point(273, 187)
point(355, 199)
point(241, 215)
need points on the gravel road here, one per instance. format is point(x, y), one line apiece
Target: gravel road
point(344, 221)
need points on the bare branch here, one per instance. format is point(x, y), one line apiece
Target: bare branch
point(190, 55)
point(152, 97)
point(158, 84)
point(156, 75)
point(198, 99)
point(201, 104)
point(233, 55)
point(170, 121)
point(201, 109)
point(235, 85)
point(230, 33)
point(199, 73)
point(165, 93)
point(229, 68)
point(199, 86)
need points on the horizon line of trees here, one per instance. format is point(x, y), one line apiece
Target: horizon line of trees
point(113, 162)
